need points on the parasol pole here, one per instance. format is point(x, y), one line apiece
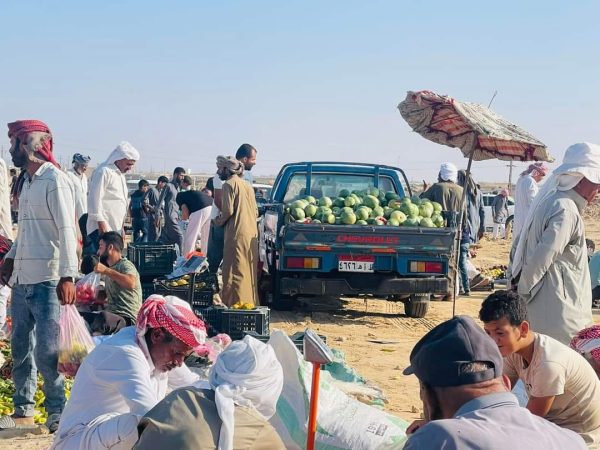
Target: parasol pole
point(463, 203)
point(462, 213)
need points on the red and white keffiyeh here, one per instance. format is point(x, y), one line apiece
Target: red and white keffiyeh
point(587, 342)
point(172, 314)
point(43, 145)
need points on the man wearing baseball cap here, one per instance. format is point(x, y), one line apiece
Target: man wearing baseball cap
point(467, 402)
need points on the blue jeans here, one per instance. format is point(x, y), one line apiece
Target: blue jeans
point(216, 245)
point(35, 313)
point(462, 266)
point(140, 229)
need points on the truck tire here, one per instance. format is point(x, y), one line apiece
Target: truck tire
point(416, 306)
point(276, 300)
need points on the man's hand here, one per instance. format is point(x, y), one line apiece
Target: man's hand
point(66, 291)
point(102, 227)
point(415, 426)
point(100, 268)
point(425, 186)
point(6, 271)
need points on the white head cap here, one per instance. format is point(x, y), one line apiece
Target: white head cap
point(581, 159)
point(123, 151)
point(448, 172)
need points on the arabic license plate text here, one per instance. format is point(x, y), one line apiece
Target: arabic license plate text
point(355, 266)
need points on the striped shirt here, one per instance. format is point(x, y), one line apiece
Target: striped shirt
point(46, 245)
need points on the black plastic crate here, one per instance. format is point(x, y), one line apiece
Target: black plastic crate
point(237, 322)
point(297, 339)
point(152, 258)
point(201, 299)
point(212, 316)
point(196, 298)
point(147, 289)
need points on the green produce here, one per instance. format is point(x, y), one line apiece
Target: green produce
point(398, 216)
point(416, 199)
point(298, 204)
point(317, 221)
point(438, 220)
point(426, 209)
point(339, 202)
point(374, 192)
point(377, 212)
point(325, 201)
point(387, 212)
point(311, 200)
point(361, 222)
point(298, 213)
point(437, 207)
point(426, 222)
point(395, 203)
point(350, 201)
point(348, 218)
point(344, 193)
point(336, 211)
point(362, 213)
point(411, 222)
point(391, 195)
point(328, 218)
point(371, 201)
point(310, 210)
point(393, 223)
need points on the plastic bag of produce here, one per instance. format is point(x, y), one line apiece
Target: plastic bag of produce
point(74, 342)
point(342, 421)
point(86, 289)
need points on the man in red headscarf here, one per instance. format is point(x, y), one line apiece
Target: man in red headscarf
point(40, 266)
point(127, 375)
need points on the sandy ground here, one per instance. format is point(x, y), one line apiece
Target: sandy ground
point(352, 324)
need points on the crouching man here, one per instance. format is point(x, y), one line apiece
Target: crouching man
point(231, 412)
point(128, 374)
point(466, 398)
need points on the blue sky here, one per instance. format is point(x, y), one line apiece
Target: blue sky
point(185, 81)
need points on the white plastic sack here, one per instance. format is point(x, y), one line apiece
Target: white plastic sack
point(342, 422)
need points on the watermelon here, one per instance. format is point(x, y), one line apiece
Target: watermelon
point(348, 218)
point(371, 201)
point(325, 201)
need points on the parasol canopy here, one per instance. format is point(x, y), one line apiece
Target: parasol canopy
point(479, 132)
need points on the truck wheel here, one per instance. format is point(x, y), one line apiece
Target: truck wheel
point(272, 297)
point(416, 306)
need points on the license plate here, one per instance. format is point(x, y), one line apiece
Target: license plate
point(355, 264)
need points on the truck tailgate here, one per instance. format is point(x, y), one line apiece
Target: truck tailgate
point(382, 248)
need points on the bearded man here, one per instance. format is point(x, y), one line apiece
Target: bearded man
point(40, 266)
point(127, 375)
point(238, 217)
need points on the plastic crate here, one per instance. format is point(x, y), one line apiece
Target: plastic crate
point(212, 316)
point(297, 339)
point(237, 322)
point(197, 298)
point(152, 258)
point(147, 290)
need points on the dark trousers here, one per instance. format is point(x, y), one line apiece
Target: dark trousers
point(462, 266)
point(153, 230)
point(140, 229)
point(171, 233)
point(105, 322)
point(216, 244)
point(92, 242)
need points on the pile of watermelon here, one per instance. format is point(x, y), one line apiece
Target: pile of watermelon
point(366, 207)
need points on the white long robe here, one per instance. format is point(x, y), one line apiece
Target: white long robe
point(525, 191)
point(555, 279)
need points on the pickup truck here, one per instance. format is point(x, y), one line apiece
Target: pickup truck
point(408, 264)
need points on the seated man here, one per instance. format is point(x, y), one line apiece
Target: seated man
point(561, 385)
point(127, 375)
point(121, 278)
point(587, 344)
point(229, 412)
point(466, 400)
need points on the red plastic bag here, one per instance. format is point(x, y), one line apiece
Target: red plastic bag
point(74, 342)
point(86, 289)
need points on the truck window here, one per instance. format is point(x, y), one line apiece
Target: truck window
point(330, 184)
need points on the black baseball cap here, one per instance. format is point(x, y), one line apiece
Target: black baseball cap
point(437, 358)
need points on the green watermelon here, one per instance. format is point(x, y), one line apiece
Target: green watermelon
point(325, 201)
point(344, 193)
point(391, 195)
point(350, 201)
point(328, 218)
point(298, 214)
point(371, 201)
point(399, 216)
point(361, 222)
point(393, 223)
point(310, 210)
point(411, 222)
point(426, 209)
point(437, 207)
point(348, 218)
point(426, 222)
point(362, 213)
point(311, 200)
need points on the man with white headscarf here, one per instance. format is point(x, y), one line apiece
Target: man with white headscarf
point(525, 191)
point(446, 191)
point(231, 412)
point(108, 196)
point(550, 267)
point(127, 375)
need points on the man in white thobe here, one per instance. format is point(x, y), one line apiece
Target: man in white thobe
point(108, 196)
point(550, 266)
point(525, 191)
point(80, 183)
point(127, 375)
